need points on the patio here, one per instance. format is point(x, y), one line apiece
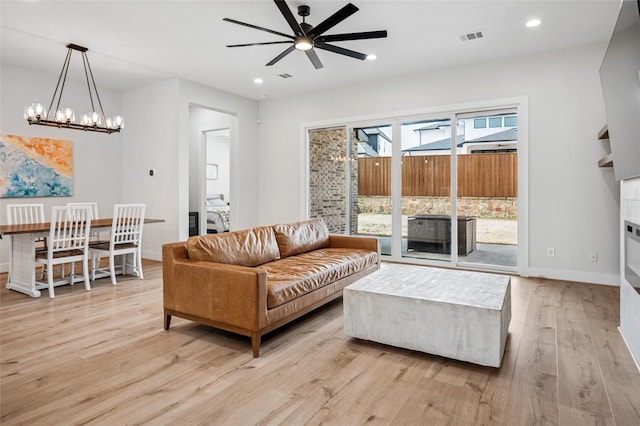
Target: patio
point(496, 240)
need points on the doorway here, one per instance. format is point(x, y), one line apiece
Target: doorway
point(217, 147)
point(210, 163)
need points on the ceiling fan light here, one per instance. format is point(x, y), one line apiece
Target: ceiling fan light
point(303, 43)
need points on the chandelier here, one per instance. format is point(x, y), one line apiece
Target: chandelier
point(65, 117)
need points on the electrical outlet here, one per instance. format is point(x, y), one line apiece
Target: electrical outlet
point(551, 252)
point(593, 256)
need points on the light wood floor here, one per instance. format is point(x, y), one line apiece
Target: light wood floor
point(102, 357)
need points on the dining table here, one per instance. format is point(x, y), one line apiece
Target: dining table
point(22, 269)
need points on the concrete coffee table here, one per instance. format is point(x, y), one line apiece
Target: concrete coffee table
point(456, 314)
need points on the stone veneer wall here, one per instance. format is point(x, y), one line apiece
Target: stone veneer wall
point(327, 178)
point(488, 207)
point(354, 185)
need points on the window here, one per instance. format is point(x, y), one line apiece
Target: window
point(511, 121)
point(495, 121)
point(479, 123)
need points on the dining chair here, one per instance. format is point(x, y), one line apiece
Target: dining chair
point(22, 214)
point(68, 242)
point(92, 205)
point(125, 240)
point(95, 236)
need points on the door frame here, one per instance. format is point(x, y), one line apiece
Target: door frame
point(203, 176)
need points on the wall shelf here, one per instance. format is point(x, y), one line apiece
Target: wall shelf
point(607, 160)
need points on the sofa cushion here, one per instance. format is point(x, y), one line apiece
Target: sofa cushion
point(292, 277)
point(249, 247)
point(301, 237)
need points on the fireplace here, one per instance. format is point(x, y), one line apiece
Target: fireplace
point(632, 254)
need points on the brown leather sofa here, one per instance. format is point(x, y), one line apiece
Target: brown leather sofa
point(253, 281)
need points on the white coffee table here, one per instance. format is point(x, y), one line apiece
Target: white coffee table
point(457, 314)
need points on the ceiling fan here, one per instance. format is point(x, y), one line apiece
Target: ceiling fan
point(306, 37)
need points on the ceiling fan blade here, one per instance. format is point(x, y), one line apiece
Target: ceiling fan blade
point(288, 16)
point(282, 55)
point(255, 27)
point(341, 51)
point(258, 44)
point(352, 36)
point(333, 20)
point(313, 57)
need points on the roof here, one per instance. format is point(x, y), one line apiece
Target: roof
point(442, 144)
point(505, 135)
point(445, 144)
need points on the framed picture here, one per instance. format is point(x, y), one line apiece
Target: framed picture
point(35, 167)
point(212, 171)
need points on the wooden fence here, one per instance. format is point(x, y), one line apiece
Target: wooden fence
point(479, 175)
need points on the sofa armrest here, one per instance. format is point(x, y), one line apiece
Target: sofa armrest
point(357, 242)
point(229, 294)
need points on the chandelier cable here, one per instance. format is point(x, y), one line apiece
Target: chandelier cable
point(65, 67)
point(85, 59)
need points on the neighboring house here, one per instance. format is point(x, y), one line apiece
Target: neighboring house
point(474, 135)
point(373, 142)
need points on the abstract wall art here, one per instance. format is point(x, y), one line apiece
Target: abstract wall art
point(35, 167)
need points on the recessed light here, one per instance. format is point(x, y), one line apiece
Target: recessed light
point(258, 81)
point(371, 57)
point(533, 23)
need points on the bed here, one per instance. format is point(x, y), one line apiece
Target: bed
point(217, 214)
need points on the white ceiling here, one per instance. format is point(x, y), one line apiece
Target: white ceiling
point(132, 43)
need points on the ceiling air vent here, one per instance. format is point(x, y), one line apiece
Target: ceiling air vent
point(472, 36)
point(285, 75)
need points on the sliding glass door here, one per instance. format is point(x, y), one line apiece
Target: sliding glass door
point(487, 189)
point(425, 162)
point(439, 189)
point(371, 185)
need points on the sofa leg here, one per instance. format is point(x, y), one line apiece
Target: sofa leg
point(255, 345)
point(167, 321)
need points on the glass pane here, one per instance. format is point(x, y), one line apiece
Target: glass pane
point(371, 184)
point(480, 123)
point(328, 179)
point(511, 121)
point(426, 189)
point(487, 203)
point(495, 122)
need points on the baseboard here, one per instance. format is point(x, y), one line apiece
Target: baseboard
point(152, 255)
point(629, 349)
point(579, 276)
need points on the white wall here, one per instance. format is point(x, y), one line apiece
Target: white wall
point(97, 165)
point(159, 139)
point(573, 205)
point(151, 142)
point(218, 153)
point(629, 297)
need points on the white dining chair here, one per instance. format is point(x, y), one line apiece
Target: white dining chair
point(92, 205)
point(125, 240)
point(68, 242)
point(95, 237)
point(22, 214)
